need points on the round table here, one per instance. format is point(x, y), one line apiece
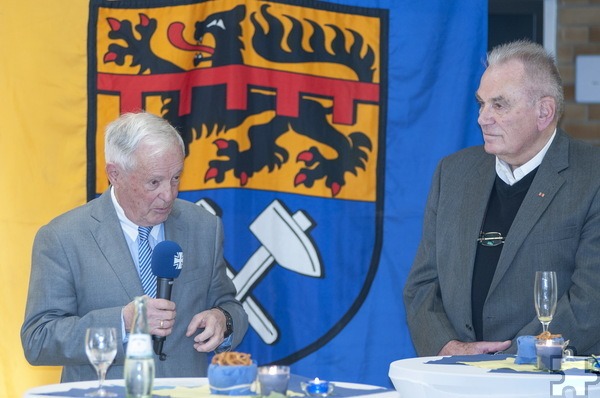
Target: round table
point(419, 378)
point(362, 390)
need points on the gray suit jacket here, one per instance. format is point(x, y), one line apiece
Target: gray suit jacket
point(556, 228)
point(82, 274)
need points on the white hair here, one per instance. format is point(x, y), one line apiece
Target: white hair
point(541, 74)
point(124, 135)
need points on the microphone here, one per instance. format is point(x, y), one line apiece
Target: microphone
point(167, 261)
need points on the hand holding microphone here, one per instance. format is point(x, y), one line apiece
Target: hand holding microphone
point(167, 261)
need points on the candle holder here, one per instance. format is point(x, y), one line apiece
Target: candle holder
point(273, 379)
point(549, 353)
point(317, 387)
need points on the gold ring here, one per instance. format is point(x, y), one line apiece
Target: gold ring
point(162, 322)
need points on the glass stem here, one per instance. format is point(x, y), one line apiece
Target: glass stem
point(101, 377)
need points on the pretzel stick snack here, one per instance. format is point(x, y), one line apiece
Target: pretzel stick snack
point(547, 336)
point(232, 358)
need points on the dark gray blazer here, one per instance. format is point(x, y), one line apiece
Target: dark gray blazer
point(556, 228)
point(82, 274)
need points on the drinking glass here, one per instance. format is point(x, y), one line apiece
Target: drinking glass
point(101, 349)
point(545, 295)
point(273, 379)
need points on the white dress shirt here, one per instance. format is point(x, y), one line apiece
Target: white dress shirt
point(510, 176)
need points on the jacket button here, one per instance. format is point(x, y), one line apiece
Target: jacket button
point(469, 327)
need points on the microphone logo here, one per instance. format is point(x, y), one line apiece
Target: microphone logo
point(178, 260)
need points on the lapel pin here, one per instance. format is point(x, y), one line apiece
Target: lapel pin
point(541, 194)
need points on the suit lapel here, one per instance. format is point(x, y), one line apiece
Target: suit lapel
point(109, 237)
point(544, 187)
point(173, 228)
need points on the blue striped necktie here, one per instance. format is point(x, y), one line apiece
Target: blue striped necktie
point(145, 254)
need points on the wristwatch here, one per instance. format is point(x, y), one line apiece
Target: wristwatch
point(228, 322)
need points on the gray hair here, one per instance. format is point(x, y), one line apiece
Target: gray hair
point(124, 135)
point(541, 74)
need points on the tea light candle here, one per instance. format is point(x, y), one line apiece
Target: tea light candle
point(273, 379)
point(549, 355)
point(317, 386)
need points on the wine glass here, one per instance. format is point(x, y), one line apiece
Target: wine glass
point(101, 349)
point(545, 295)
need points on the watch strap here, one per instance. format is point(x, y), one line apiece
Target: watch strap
point(228, 321)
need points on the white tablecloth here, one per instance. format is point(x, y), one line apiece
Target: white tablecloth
point(416, 378)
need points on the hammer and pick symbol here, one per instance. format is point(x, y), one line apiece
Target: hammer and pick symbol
point(284, 242)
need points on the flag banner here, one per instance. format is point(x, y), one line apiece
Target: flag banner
point(283, 107)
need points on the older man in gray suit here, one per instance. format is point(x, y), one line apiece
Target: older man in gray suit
point(528, 200)
point(85, 267)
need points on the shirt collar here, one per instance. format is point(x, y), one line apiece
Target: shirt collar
point(128, 226)
point(511, 177)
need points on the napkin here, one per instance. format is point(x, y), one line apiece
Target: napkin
point(525, 350)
